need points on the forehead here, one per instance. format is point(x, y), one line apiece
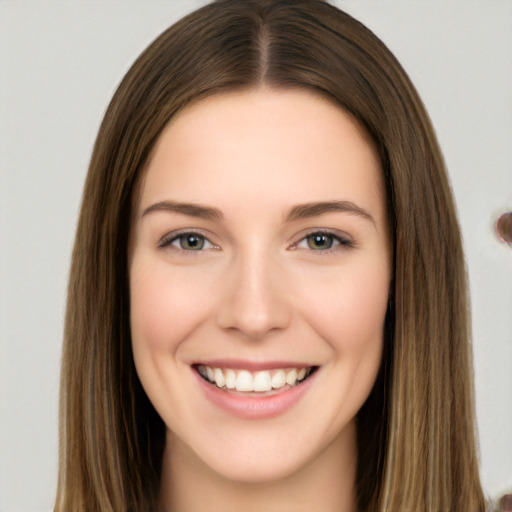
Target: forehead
point(259, 143)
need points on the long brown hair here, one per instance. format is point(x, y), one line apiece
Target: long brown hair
point(416, 432)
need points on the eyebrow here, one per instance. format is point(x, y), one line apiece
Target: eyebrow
point(307, 210)
point(190, 209)
point(300, 211)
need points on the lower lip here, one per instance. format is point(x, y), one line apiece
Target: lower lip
point(254, 407)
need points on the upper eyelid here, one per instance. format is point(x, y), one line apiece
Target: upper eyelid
point(343, 242)
point(341, 235)
point(173, 235)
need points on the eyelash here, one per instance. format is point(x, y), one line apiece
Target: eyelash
point(338, 242)
point(169, 239)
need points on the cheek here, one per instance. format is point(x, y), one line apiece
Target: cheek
point(349, 309)
point(164, 307)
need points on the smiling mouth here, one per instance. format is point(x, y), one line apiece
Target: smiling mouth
point(263, 381)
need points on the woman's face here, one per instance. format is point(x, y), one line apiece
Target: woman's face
point(259, 279)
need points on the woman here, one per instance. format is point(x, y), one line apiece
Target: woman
point(267, 299)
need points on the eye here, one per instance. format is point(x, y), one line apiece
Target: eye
point(322, 241)
point(188, 241)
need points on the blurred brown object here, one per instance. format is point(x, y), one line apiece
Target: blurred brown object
point(503, 230)
point(506, 503)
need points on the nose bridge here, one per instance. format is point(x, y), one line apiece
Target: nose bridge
point(255, 299)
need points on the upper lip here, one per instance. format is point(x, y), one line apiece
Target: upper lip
point(240, 364)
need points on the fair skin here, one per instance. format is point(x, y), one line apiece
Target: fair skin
point(260, 246)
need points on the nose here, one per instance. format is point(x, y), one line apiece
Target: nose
point(256, 300)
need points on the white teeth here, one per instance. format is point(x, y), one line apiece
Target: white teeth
point(218, 377)
point(245, 381)
point(262, 382)
point(230, 379)
point(291, 377)
point(278, 379)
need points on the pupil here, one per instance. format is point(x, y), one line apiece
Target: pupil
point(320, 241)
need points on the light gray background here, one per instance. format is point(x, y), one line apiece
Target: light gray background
point(60, 62)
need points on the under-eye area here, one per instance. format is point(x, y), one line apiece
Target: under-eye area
point(261, 381)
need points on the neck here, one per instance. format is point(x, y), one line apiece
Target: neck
point(326, 483)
